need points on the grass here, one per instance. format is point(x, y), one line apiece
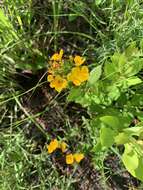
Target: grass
point(30, 31)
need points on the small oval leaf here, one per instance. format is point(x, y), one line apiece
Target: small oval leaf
point(95, 75)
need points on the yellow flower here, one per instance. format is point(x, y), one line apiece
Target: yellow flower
point(78, 157)
point(63, 146)
point(57, 56)
point(84, 73)
point(74, 76)
point(50, 78)
point(53, 146)
point(58, 83)
point(78, 75)
point(69, 159)
point(79, 60)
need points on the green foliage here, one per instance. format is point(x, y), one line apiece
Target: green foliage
point(119, 74)
point(111, 121)
point(107, 136)
point(133, 160)
point(95, 75)
point(112, 101)
point(7, 31)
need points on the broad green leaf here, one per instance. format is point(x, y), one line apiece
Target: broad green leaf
point(122, 138)
point(133, 161)
point(107, 136)
point(79, 96)
point(111, 121)
point(122, 62)
point(110, 70)
point(130, 159)
point(115, 58)
point(136, 131)
point(74, 94)
point(131, 50)
point(84, 100)
point(95, 75)
point(133, 67)
point(113, 92)
point(119, 60)
point(133, 81)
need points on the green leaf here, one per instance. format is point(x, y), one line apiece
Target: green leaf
point(133, 81)
point(115, 58)
point(133, 161)
point(113, 92)
point(122, 138)
point(119, 61)
point(79, 96)
point(95, 75)
point(122, 62)
point(136, 131)
point(133, 67)
point(74, 94)
point(84, 100)
point(111, 121)
point(110, 70)
point(107, 136)
point(131, 50)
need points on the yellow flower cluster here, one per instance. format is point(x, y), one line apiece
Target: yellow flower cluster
point(54, 144)
point(70, 158)
point(60, 73)
point(56, 80)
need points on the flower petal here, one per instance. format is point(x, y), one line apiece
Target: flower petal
point(63, 146)
point(55, 57)
point(79, 60)
point(78, 157)
point(69, 159)
point(50, 78)
point(52, 146)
